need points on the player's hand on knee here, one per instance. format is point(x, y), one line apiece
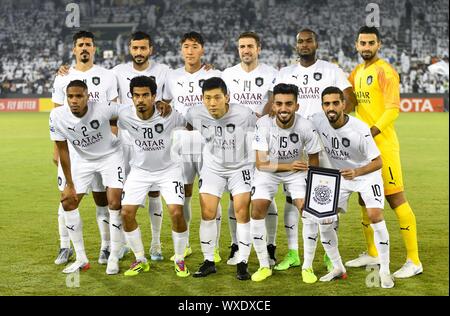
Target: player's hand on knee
point(69, 196)
point(63, 70)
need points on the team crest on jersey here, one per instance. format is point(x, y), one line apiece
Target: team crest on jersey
point(294, 138)
point(230, 128)
point(259, 81)
point(317, 76)
point(200, 82)
point(96, 80)
point(94, 124)
point(345, 142)
point(369, 80)
point(159, 128)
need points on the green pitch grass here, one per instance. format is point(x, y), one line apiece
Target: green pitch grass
point(29, 237)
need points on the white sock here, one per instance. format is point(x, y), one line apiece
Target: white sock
point(329, 240)
point(115, 221)
point(103, 225)
point(310, 234)
point(232, 223)
point(64, 239)
point(291, 215)
point(179, 244)
point(187, 212)
point(218, 223)
point(208, 234)
point(75, 228)
point(272, 223)
point(134, 239)
point(244, 241)
point(381, 238)
point(155, 211)
point(258, 234)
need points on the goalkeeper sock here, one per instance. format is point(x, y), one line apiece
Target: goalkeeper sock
point(408, 228)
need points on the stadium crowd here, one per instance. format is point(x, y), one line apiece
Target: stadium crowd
point(35, 39)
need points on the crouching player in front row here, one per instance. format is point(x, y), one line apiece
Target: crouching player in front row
point(351, 149)
point(152, 169)
point(279, 142)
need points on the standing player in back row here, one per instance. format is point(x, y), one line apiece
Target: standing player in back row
point(141, 48)
point(183, 89)
point(248, 83)
point(102, 87)
point(377, 89)
point(311, 75)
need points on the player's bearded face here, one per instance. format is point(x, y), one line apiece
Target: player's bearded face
point(140, 51)
point(285, 106)
point(84, 49)
point(77, 99)
point(333, 107)
point(306, 45)
point(248, 50)
point(143, 99)
point(367, 46)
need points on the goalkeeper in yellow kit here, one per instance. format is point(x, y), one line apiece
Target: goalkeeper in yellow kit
point(377, 88)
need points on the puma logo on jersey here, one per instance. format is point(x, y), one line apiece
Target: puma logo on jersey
point(180, 83)
point(259, 238)
point(379, 201)
point(135, 128)
point(236, 80)
point(206, 242)
point(325, 135)
point(327, 242)
point(295, 76)
point(72, 128)
point(365, 225)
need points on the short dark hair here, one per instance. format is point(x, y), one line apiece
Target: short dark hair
point(83, 34)
point(333, 90)
point(284, 88)
point(77, 83)
point(214, 83)
point(194, 36)
point(307, 30)
point(143, 81)
point(251, 35)
point(139, 35)
point(369, 30)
